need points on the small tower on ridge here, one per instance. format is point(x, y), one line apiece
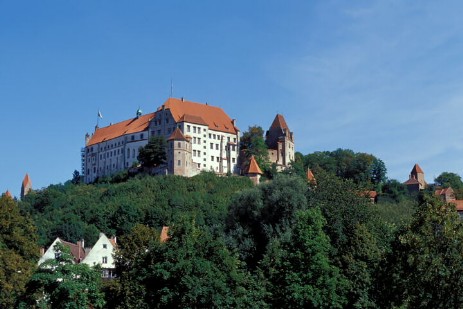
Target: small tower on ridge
point(26, 186)
point(254, 172)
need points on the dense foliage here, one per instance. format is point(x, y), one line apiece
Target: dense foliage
point(283, 243)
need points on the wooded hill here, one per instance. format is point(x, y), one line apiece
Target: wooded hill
point(283, 243)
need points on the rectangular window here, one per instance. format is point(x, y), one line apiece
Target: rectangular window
point(194, 129)
point(216, 146)
point(218, 159)
point(233, 160)
point(212, 158)
point(105, 259)
point(194, 140)
point(210, 135)
point(199, 140)
point(105, 246)
point(213, 136)
point(188, 128)
point(212, 146)
point(179, 162)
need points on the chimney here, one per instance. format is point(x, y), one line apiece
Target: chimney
point(182, 99)
point(234, 122)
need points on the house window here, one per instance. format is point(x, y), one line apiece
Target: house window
point(194, 129)
point(105, 246)
point(188, 128)
point(132, 137)
point(199, 140)
point(179, 144)
point(133, 153)
point(105, 259)
point(141, 136)
point(218, 159)
point(212, 146)
point(179, 162)
point(216, 146)
point(212, 158)
point(233, 160)
point(128, 153)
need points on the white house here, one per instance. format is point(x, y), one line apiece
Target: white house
point(77, 251)
point(102, 254)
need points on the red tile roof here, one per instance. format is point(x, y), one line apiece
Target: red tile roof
point(215, 118)
point(27, 181)
point(310, 176)
point(164, 234)
point(417, 169)
point(254, 167)
point(411, 181)
point(177, 135)
point(129, 126)
point(458, 204)
point(443, 191)
point(193, 119)
point(8, 194)
point(77, 251)
point(279, 122)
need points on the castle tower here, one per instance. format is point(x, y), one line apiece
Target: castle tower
point(26, 186)
point(310, 177)
point(254, 172)
point(179, 154)
point(280, 142)
point(8, 194)
point(416, 180)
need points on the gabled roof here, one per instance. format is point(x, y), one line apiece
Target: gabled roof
point(253, 167)
point(279, 122)
point(412, 181)
point(215, 118)
point(129, 126)
point(193, 119)
point(443, 191)
point(177, 135)
point(77, 251)
point(26, 181)
point(417, 169)
point(310, 176)
point(164, 234)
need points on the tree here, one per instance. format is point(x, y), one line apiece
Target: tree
point(18, 251)
point(154, 153)
point(424, 268)
point(75, 177)
point(252, 143)
point(378, 171)
point(298, 268)
point(58, 283)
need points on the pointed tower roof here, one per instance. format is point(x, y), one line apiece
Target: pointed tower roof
point(254, 167)
point(279, 122)
point(8, 194)
point(27, 181)
point(310, 176)
point(164, 234)
point(177, 135)
point(417, 169)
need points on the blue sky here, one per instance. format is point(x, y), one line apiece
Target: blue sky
point(382, 77)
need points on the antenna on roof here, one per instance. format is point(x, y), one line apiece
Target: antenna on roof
point(171, 88)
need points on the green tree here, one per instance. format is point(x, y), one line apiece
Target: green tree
point(18, 251)
point(58, 283)
point(424, 267)
point(154, 153)
point(252, 143)
point(75, 177)
point(378, 171)
point(298, 267)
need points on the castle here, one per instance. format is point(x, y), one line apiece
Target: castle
point(200, 137)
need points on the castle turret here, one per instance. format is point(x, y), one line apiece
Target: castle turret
point(26, 186)
point(253, 171)
point(179, 154)
point(280, 142)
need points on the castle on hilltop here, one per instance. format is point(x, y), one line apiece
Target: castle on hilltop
point(200, 137)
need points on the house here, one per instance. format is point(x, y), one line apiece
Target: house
point(280, 143)
point(77, 251)
point(102, 254)
point(210, 141)
point(26, 186)
point(416, 182)
point(448, 196)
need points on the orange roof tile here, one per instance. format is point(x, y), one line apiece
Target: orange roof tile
point(177, 135)
point(129, 126)
point(417, 169)
point(411, 181)
point(254, 167)
point(279, 122)
point(310, 176)
point(77, 251)
point(458, 204)
point(193, 119)
point(164, 234)
point(27, 181)
point(215, 118)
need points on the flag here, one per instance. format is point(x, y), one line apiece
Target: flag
point(100, 115)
